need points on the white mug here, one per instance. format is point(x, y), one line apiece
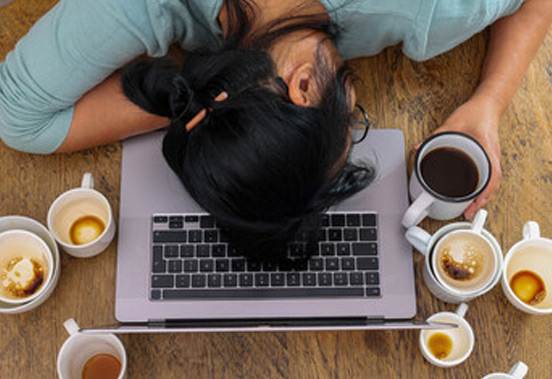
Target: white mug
point(518, 371)
point(426, 201)
point(74, 204)
point(462, 338)
point(532, 253)
point(425, 244)
point(79, 348)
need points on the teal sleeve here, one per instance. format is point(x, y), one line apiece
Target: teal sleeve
point(71, 49)
point(452, 22)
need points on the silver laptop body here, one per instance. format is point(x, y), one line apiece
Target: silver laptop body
point(148, 187)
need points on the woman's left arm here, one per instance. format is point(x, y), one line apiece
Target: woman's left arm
point(514, 41)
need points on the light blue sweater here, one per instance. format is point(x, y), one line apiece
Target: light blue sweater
point(79, 43)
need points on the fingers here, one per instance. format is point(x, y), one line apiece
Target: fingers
point(485, 196)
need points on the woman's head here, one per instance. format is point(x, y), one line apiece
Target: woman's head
point(260, 164)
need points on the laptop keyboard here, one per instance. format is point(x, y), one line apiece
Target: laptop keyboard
point(191, 259)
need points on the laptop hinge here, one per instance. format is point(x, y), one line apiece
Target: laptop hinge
point(297, 322)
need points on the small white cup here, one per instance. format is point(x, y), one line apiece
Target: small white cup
point(462, 338)
point(518, 371)
point(24, 240)
point(427, 202)
point(532, 253)
point(425, 244)
point(79, 348)
point(73, 204)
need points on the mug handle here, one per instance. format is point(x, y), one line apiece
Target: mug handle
point(418, 210)
point(418, 238)
point(531, 230)
point(461, 310)
point(87, 181)
point(479, 221)
point(71, 326)
point(519, 370)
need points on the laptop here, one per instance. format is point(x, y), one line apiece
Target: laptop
point(159, 288)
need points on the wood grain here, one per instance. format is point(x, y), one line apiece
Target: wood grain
point(398, 93)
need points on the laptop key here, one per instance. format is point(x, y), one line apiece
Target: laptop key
point(187, 251)
point(230, 280)
point(219, 250)
point(206, 265)
point(368, 234)
point(372, 278)
point(171, 251)
point(327, 249)
point(175, 266)
point(316, 264)
point(335, 235)
point(162, 281)
point(222, 265)
point(356, 278)
point(373, 291)
point(203, 251)
point(261, 280)
point(367, 263)
point(325, 279)
point(293, 279)
point(159, 266)
point(338, 219)
point(332, 264)
point(195, 236)
point(182, 281)
point(214, 280)
point(353, 220)
point(347, 264)
point(369, 219)
point(245, 280)
point(206, 222)
point(160, 219)
point(267, 292)
point(343, 249)
point(198, 281)
point(155, 294)
point(238, 265)
point(309, 280)
point(277, 279)
point(190, 265)
point(365, 248)
point(340, 279)
point(169, 236)
point(210, 236)
point(191, 218)
point(350, 234)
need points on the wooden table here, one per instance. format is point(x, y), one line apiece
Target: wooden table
point(398, 93)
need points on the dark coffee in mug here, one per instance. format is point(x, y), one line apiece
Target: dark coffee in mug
point(450, 172)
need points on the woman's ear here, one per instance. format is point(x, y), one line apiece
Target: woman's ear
point(302, 86)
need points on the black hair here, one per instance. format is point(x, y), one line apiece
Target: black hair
point(264, 167)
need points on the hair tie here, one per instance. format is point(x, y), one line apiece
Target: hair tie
point(202, 113)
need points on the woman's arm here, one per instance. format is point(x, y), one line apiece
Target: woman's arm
point(514, 41)
point(105, 115)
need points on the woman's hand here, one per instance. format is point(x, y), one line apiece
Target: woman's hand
point(479, 118)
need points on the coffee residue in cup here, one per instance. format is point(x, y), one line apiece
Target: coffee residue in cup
point(528, 287)
point(22, 277)
point(86, 229)
point(465, 269)
point(101, 366)
point(440, 345)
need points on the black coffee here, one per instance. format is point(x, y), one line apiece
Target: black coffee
point(450, 172)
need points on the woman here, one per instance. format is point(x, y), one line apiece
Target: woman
point(260, 60)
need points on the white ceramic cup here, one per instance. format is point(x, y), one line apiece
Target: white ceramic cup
point(532, 253)
point(24, 223)
point(518, 371)
point(462, 338)
point(425, 243)
point(79, 348)
point(427, 202)
point(74, 204)
point(25, 241)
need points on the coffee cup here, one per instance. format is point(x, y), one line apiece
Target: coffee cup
point(11, 223)
point(518, 371)
point(488, 265)
point(448, 347)
point(81, 220)
point(450, 170)
point(26, 266)
point(527, 276)
point(84, 354)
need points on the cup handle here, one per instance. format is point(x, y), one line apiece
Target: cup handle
point(479, 221)
point(531, 230)
point(418, 238)
point(461, 310)
point(87, 181)
point(71, 326)
point(519, 370)
point(418, 210)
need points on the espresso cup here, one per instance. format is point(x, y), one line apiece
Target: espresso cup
point(448, 347)
point(81, 220)
point(452, 290)
point(527, 276)
point(26, 266)
point(78, 350)
point(518, 371)
point(450, 170)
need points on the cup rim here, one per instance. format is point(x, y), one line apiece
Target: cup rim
point(489, 243)
point(437, 195)
point(77, 335)
point(58, 199)
point(464, 225)
point(504, 277)
point(51, 267)
point(27, 223)
point(437, 362)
